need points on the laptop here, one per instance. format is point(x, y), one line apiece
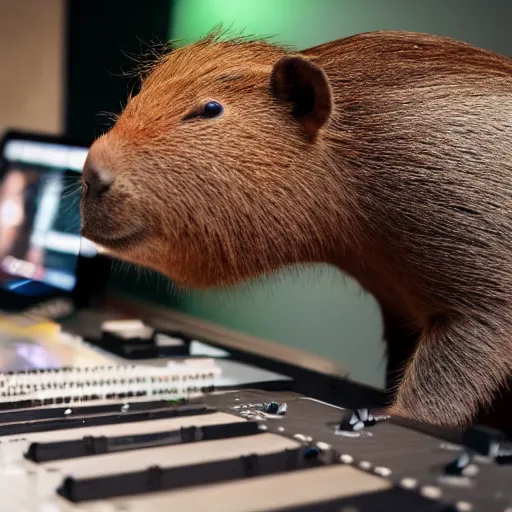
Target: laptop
point(42, 254)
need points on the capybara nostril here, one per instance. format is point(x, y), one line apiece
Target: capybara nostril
point(97, 181)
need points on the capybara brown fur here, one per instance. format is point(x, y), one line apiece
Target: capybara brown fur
point(385, 154)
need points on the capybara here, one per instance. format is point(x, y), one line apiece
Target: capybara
point(385, 154)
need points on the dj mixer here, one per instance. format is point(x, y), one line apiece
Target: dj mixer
point(112, 404)
point(140, 413)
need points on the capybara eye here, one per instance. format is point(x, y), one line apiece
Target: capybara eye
point(212, 109)
point(207, 110)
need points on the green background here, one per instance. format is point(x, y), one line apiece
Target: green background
point(321, 310)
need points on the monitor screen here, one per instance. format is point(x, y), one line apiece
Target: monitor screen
point(40, 216)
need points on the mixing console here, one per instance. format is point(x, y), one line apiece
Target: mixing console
point(196, 431)
point(225, 451)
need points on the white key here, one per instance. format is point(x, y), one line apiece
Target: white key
point(261, 494)
point(172, 456)
point(16, 449)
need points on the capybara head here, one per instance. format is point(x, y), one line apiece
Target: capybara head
point(218, 170)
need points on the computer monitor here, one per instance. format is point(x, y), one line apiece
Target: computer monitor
point(40, 242)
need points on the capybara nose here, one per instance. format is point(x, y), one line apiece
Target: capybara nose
point(96, 180)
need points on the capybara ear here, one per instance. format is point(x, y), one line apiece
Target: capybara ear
point(298, 81)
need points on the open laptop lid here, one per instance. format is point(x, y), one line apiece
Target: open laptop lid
point(41, 249)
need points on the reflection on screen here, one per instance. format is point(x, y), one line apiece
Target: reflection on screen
point(40, 215)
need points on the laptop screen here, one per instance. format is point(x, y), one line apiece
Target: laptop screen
point(40, 215)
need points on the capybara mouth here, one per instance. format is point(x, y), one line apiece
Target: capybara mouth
point(102, 231)
point(114, 241)
point(111, 230)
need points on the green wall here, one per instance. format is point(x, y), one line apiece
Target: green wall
point(321, 310)
point(308, 22)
